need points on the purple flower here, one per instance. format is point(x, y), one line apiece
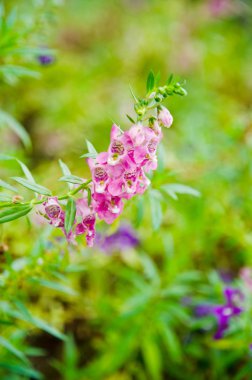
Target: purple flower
point(45, 59)
point(223, 313)
point(123, 239)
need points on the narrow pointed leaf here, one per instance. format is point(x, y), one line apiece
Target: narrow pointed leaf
point(27, 172)
point(88, 155)
point(9, 346)
point(6, 119)
point(5, 185)
point(28, 372)
point(32, 186)
point(134, 96)
point(65, 169)
point(72, 179)
point(91, 148)
point(150, 82)
point(178, 188)
point(169, 80)
point(14, 213)
point(70, 214)
point(130, 119)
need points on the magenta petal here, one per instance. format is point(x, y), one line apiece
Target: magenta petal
point(102, 158)
point(115, 188)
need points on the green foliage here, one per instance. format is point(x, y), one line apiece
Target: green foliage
point(127, 315)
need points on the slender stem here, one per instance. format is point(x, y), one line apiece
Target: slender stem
point(35, 201)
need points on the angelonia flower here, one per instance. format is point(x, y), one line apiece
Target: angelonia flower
point(117, 175)
point(164, 117)
point(223, 313)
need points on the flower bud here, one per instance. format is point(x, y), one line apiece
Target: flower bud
point(165, 118)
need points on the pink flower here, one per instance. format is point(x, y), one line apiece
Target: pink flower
point(99, 173)
point(54, 212)
point(246, 276)
point(107, 207)
point(165, 118)
point(119, 145)
point(137, 134)
point(85, 220)
point(155, 127)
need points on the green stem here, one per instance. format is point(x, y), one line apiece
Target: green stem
point(35, 201)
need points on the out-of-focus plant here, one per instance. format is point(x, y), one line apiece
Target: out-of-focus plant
point(20, 40)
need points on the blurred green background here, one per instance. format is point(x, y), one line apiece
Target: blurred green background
point(125, 314)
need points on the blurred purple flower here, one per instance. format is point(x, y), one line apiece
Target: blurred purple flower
point(226, 276)
point(46, 59)
point(124, 238)
point(223, 313)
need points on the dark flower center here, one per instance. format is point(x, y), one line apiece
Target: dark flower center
point(89, 220)
point(152, 146)
point(117, 147)
point(100, 174)
point(53, 211)
point(130, 176)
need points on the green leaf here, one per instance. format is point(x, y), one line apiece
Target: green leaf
point(65, 169)
point(26, 171)
point(9, 346)
point(16, 127)
point(32, 186)
point(91, 148)
point(130, 119)
point(171, 341)
point(19, 71)
point(24, 315)
point(173, 189)
point(150, 82)
point(70, 214)
point(49, 329)
point(88, 155)
point(14, 213)
point(5, 157)
point(139, 211)
point(169, 80)
point(133, 95)
point(156, 209)
point(72, 179)
point(5, 185)
point(152, 357)
point(54, 285)
point(92, 153)
point(20, 370)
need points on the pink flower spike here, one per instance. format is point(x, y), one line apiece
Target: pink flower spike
point(165, 118)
